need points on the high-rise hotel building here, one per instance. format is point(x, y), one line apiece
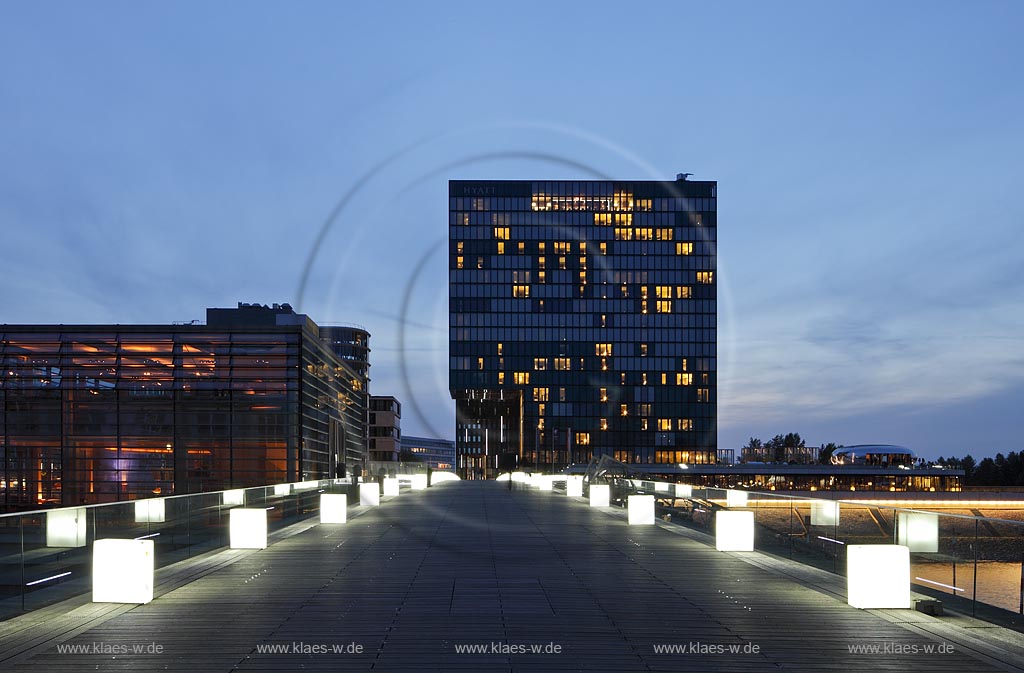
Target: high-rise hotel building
point(582, 319)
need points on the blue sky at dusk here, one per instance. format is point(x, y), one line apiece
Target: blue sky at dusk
point(161, 158)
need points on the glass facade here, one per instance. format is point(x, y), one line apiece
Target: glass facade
point(582, 319)
point(439, 454)
point(93, 414)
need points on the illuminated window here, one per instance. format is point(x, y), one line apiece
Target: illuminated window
point(623, 410)
point(479, 262)
point(604, 248)
point(644, 234)
point(501, 378)
point(684, 424)
point(704, 379)
point(501, 247)
point(459, 262)
point(645, 409)
point(622, 378)
point(464, 219)
point(540, 423)
point(561, 394)
point(684, 379)
point(582, 438)
point(706, 277)
point(540, 364)
point(664, 378)
point(583, 261)
point(562, 247)
point(561, 263)
point(542, 277)
point(684, 292)
point(501, 233)
point(604, 423)
point(625, 290)
point(521, 291)
point(460, 247)
point(604, 364)
point(624, 218)
point(664, 306)
point(643, 350)
point(500, 348)
point(663, 291)
point(540, 394)
point(623, 234)
point(643, 423)
point(682, 364)
point(643, 378)
point(602, 218)
point(702, 395)
point(604, 320)
point(602, 349)
point(604, 394)
point(663, 234)
point(684, 248)
point(479, 363)
point(521, 378)
point(521, 247)
point(664, 424)
point(583, 277)
point(643, 292)
point(541, 263)
point(583, 249)
point(643, 306)
point(563, 364)
point(643, 204)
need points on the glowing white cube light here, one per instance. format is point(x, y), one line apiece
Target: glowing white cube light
point(150, 511)
point(734, 498)
point(878, 576)
point(824, 513)
point(66, 527)
point(234, 497)
point(122, 571)
point(684, 491)
point(542, 481)
point(438, 477)
point(918, 531)
point(600, 495)
point(661, 486)
point(734, 531)
point(390, 486)
point(333, 508)
point(282, 489)
point(640, 510)
point(574, 486)
point(419, 482)
point(369, 494)
point(248, 528)
point(307, 485)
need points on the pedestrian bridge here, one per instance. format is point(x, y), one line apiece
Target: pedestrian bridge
point(475, 576)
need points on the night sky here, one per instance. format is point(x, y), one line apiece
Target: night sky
point(156, 159)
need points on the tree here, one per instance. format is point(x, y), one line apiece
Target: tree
point(825, 454)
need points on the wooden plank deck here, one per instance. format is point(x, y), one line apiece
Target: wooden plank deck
point(404, 586)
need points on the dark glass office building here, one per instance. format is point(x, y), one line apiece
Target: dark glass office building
point(99, 413)
point(582, 322)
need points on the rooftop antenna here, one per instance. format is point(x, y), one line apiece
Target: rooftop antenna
point(683, 176)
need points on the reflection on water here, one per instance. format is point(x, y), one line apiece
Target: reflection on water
point(998, 581)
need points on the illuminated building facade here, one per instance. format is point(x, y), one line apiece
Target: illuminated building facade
point(100, 413)
point(439, 454)
point(582, 319)
point(385, 428)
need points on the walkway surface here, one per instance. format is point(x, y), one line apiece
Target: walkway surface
point(416, 583)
